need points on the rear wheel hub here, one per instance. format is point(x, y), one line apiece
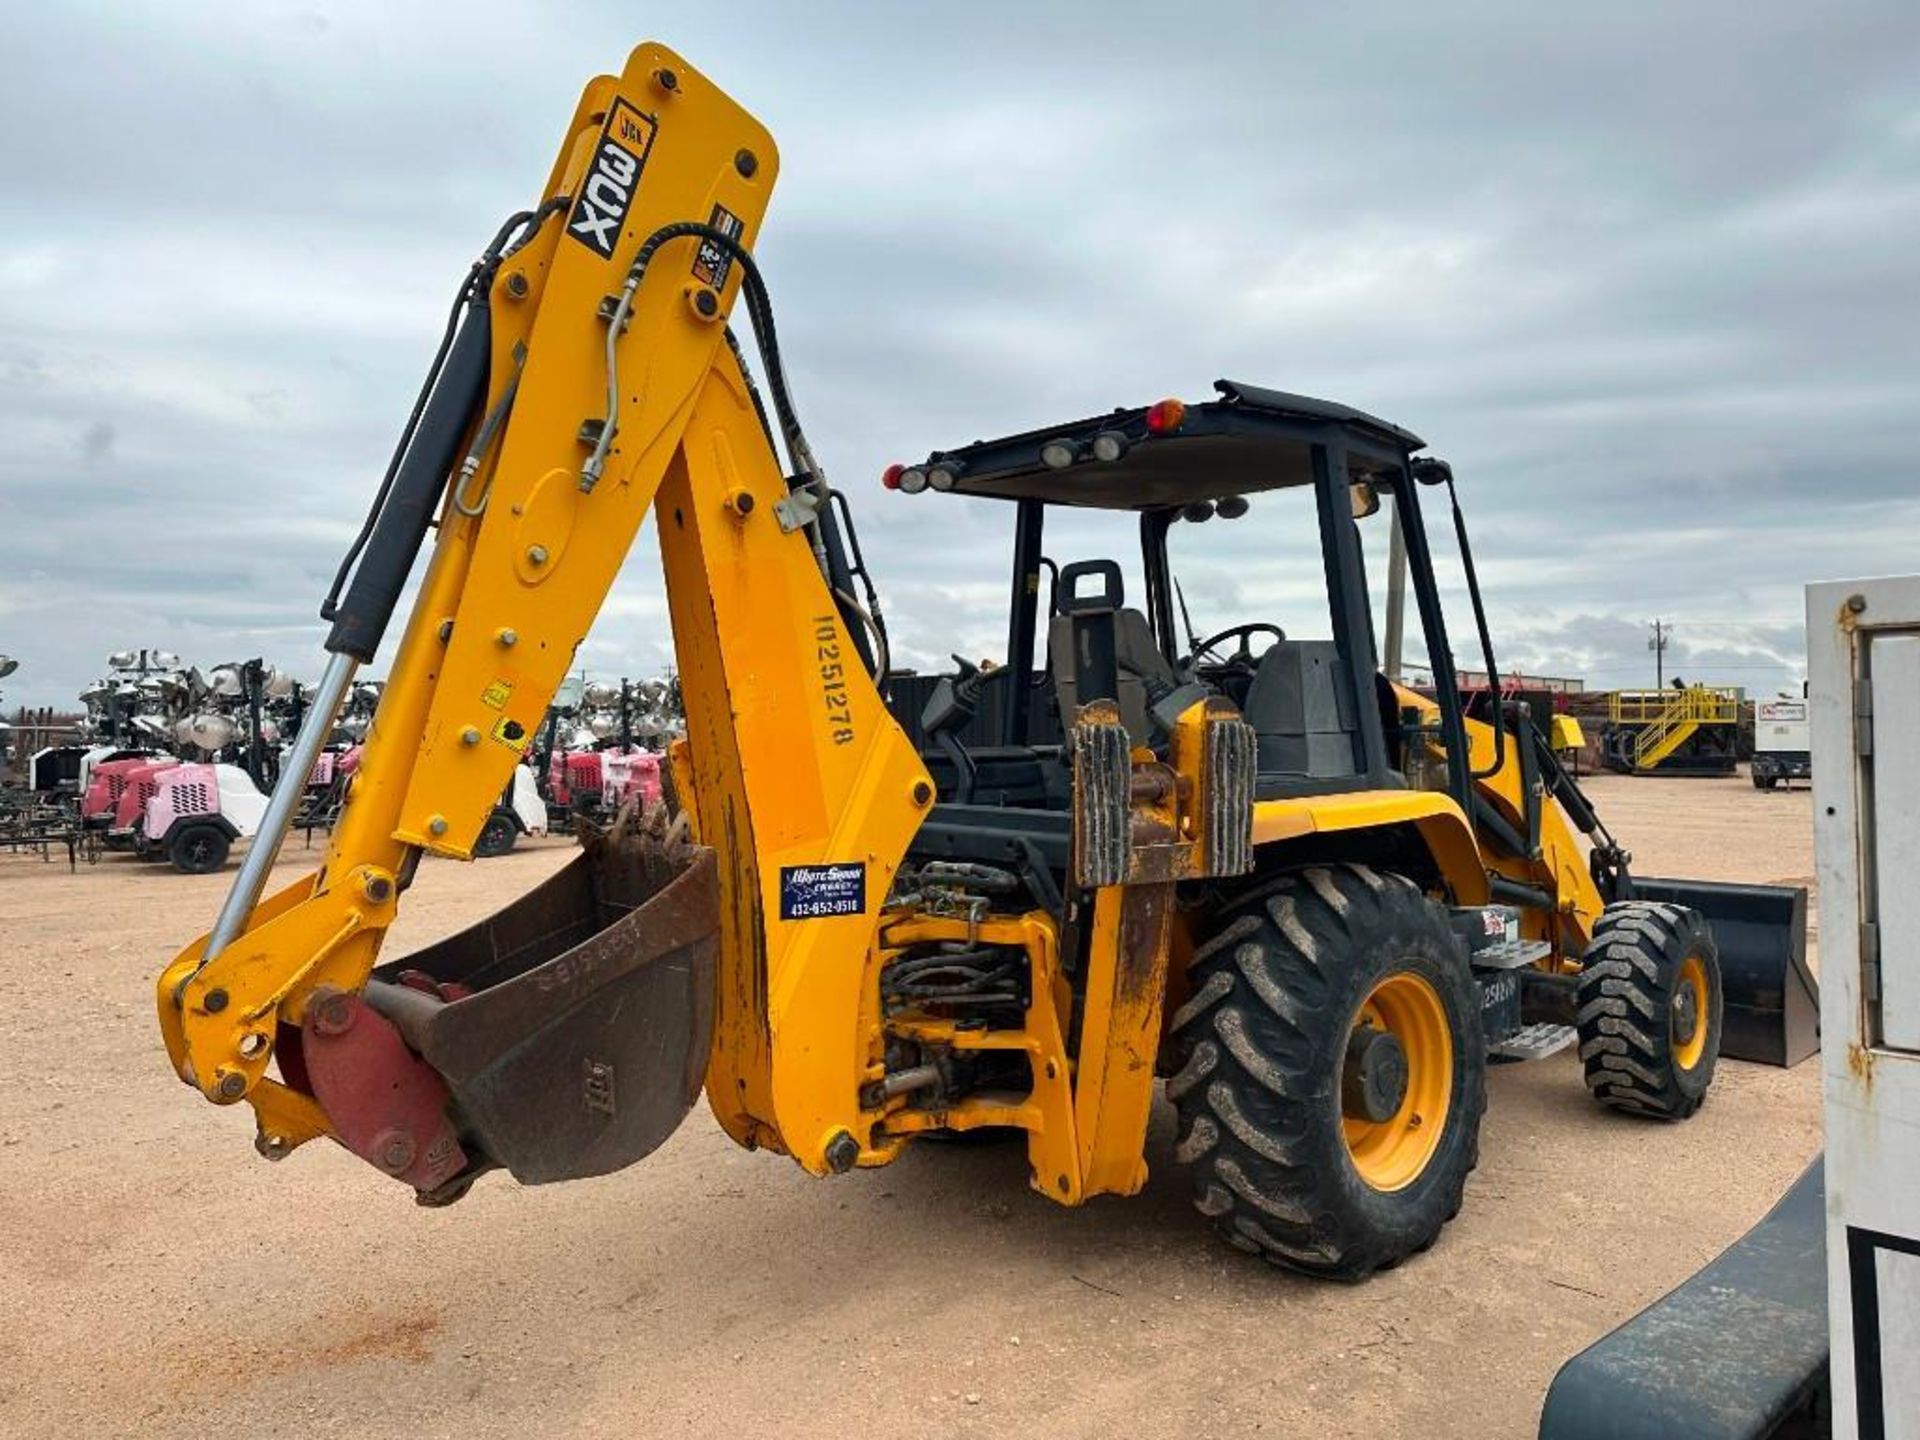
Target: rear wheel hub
point(1373, 1081)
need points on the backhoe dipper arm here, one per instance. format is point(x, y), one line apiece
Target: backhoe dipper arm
point(583, 390)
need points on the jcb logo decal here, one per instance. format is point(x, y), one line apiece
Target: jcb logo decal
point(607, 191)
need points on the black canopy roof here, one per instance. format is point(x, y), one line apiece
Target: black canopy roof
point(1250, 439)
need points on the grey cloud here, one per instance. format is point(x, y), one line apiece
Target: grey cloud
point(1644, 274)
point(96, 442)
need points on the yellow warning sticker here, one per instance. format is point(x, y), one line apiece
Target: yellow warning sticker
point(496, 695)
point(512, 734)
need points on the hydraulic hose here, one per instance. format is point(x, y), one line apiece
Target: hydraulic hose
point(800, 456)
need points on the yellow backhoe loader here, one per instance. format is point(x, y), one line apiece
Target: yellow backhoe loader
point(1314, 902)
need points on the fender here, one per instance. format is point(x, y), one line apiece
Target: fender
point(1441, 825)
point(218, 822)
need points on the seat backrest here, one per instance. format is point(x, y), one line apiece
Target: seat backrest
point(1096, 621)
point(1140, 664)
point(1139, 653)
point(1301, 709)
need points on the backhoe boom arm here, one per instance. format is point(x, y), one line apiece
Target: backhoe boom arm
point(609, 392)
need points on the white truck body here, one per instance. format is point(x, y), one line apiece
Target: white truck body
point(1781, 725)
point(1782, 742)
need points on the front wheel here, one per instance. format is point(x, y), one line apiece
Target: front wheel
point(1649, 1009)
point(1333, 1072)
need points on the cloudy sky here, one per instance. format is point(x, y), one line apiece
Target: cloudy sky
point(1648, 278)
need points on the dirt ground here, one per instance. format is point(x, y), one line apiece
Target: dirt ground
point(158, 1279)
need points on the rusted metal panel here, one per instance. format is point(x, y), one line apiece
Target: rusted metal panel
point(1102, 782)
point(1229, 767)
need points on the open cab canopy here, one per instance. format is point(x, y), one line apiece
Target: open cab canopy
point(1171, 454)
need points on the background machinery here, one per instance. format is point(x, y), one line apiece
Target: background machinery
point(174, 763)
point(600, 747)
point(1782, 742)
point(179, 761)
point(1314, 902)
point(7, 666)
point(31, 822)
point(186, 812)
point(1682, 730)
point(521, 810)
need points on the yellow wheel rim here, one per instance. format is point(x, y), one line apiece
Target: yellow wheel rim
point(1690, 1002)
point(1391, 1154)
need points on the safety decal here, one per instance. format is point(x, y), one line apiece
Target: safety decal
point(512, 734)
point(607, 192)
point(496, 695)
point(810, 892)
point(712, 264)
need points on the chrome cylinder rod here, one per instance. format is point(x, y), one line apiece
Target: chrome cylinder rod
point(285, 801)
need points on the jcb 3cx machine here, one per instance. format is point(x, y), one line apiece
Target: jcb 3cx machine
point(1313, 902)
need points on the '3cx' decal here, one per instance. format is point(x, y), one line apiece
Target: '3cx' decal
point(607, 191)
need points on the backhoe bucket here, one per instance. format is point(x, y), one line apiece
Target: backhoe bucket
point(1772, 1014)
point(572, 1028)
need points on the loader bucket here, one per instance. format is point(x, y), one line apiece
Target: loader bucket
point(572, 1028)
point(1772, 1000)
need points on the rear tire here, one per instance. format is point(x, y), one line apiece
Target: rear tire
point(1294, 977)
point(198, 849)
point(497, 836)
point(1649, 1009)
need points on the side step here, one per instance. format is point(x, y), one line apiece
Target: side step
point(1739, 1350)
point(1534, 1042)
point(1510, 954)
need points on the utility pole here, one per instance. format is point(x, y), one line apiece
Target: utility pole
point(1657, 643)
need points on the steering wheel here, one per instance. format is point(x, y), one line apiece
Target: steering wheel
point(1244, 654)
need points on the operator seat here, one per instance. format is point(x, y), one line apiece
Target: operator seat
point(1300, 706)
point(1142, 674)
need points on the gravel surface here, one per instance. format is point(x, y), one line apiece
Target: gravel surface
point(158, 1279)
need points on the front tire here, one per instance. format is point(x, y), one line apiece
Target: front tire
point(1333, 1072)
point(1649, 1009)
